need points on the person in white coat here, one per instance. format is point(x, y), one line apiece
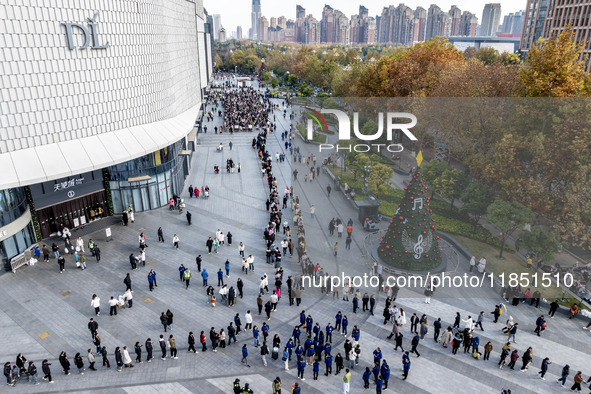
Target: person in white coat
point(248, 320)
point(96, 304)
point(401, 318)
point(468, 323)
point(126, 358)
point(80, 245)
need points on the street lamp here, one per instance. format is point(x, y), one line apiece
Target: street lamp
point(366, 170)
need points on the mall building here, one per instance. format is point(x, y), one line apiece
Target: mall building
point(99, 101)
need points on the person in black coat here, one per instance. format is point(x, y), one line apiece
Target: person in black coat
point(118, 359)
point(191, 341)
point(338, 362)
point(138, 352)
point(20, 362)
point(127, 282)
point(65, 363)
point(46, 371)
point(8, 374)
point(457, 321)
point(79, 363)
point(149, 349)
point(229, 238)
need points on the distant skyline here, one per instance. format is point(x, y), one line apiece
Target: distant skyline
point(237, 12)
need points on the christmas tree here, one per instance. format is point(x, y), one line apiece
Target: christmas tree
point(411, 242)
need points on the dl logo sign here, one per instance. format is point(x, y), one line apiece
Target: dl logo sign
point(89, 32)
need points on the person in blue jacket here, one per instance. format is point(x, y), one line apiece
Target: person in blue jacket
point(355, 333)
point(220, 278)
point(296, 334)
point(328, 362)
point(366, 376)
point(307, 344)
point(405, 364)
point(299, 352)
point(379, 385)
point(329, 329)
point(245, 355)
point(385, 372)
point(255, 336)
point(338, 319)
point(227, 267)
point(204, 275)
point(376, 371)
point(309, 322)
point(327, 349)
point(265, 331)
point(475, 344)
point(377, 355)
point(290, 346)
point(310, 353)
point(301, 366)
point(302, 318)
point(345, 323)
point(316, 369)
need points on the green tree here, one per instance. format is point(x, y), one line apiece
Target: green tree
point(305, 89)
point(379, 178)
point(476, 199)
point(292, 79)
point(543, 241)
point(451, 184)
point(274, 82)
point(554, 68)
point(508, 217)
point(357, 163)
point(487, 56)
point(432, 171)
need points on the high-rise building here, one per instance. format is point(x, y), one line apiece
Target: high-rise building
point(455, 14)
point(311, 30)
point(420, 24)
point(222, 35)
point(546, 18)
point(273, 22)
point(78, 146)
point(299, 23)
point(254, 18)
point(468, 24)
point(327, 24)
point(217, 25)
point(363, 27)
point(263, 34)
point(289, 32)
point(513, 23)
point(432, 21)
point(491, 16)
point(282, 22)
point(239, 33)
point(342, 29)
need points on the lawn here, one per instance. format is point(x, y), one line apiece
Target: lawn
point(317, 137)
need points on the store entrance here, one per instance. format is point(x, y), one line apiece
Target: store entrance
point(72, 213)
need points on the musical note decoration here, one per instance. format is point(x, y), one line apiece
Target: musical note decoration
point(411, 241)
point(423, 244)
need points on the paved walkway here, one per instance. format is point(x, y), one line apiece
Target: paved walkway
point(43, 313)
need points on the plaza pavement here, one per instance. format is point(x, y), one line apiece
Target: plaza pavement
point(39, 300)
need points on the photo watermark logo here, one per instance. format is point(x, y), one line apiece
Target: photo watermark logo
point(391, 120)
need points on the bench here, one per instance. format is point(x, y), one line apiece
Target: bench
point(22, 259)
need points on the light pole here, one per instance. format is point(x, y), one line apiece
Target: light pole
point(366, 170)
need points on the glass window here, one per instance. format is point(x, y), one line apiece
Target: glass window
point(137, 200)
point(10, 247)
point(116, 196)
point(20, 242)
point(145, 198)
point(154, 200)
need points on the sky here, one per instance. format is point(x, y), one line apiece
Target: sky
point(237, 12)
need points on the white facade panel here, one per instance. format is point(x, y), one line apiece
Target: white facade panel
point(148, 73)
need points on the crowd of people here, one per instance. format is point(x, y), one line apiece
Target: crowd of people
point(309, 348)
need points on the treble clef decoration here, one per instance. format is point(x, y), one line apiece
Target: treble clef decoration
point(418, 248)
